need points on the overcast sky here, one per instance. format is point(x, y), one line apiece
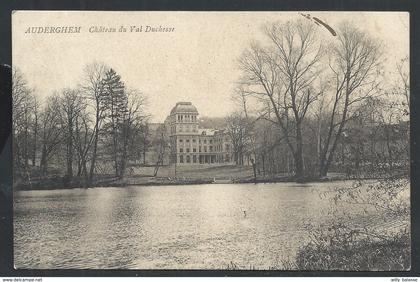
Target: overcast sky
point(197, 62)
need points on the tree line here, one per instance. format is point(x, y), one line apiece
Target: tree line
point(310, 104)
point(80, 129)
point(307, 105)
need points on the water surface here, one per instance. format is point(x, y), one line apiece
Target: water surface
point(166, 227)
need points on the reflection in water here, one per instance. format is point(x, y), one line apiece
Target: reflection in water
point(172, 227)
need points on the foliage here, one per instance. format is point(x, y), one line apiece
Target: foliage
point(391, 254)
point(326, 101)
point(74, 125)
point(376, 239)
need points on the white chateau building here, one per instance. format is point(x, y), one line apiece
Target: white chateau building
point(191, 145)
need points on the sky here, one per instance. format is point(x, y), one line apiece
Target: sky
point(197, 62)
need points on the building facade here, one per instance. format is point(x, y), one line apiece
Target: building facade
point(192, 145)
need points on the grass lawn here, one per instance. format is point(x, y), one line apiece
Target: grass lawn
point(226, 171)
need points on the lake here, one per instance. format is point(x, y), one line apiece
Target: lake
point(166, 227)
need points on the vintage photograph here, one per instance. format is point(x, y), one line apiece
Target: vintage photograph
point(211, 140)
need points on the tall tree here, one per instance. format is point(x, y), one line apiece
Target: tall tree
point(132, 122)
point(145, 140)
point(402, 84)
point(24, 111)
point(82, 140)
point(93, 87)
point(238, 131)
point(51, 132)
point(281, 76)
point(35, 127)
point(160, 145)
point(353, 62)
point(71, 105)
point(117, 110)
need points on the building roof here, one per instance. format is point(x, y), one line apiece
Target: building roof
point(184, 107)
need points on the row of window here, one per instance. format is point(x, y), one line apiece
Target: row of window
point(186, 118)
point(193, 140)
point(188, 128)
point(194, 159)
point(217, 148)
point(188, 159)
point(181, 150)
point(201, 141)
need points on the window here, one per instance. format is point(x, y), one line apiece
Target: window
point(180, 140)
point(199, 149)
point(188, 140)
point(211, 148)
point(205, 149)
point(188, 159)
point(194, 150)
point(181, 159)
point(205, 141)
point(211, 141)
point(194, 159)
point(181, 150)
point(188, 150)
point(193, 140)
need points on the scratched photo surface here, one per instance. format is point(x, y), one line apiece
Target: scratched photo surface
point(211, 140)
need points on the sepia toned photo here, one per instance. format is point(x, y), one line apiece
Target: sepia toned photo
point(211, 140)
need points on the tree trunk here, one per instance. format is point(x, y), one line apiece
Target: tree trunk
point(35, 140)
point(43, 163)
point(93, 161)
point(144, 152)
point(299, 173)
point(70, 151)
point(263, 164)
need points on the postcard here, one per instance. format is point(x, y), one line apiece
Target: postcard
point(211, 140)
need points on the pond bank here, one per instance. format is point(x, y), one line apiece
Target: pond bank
point(53, 183)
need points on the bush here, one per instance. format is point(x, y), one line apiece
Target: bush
point(357, 242)
point(365, 255)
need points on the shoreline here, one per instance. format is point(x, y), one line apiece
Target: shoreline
point(53, 183)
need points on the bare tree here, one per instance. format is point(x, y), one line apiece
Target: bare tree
point(51, 132)
point(82, 140)
point(282, 75)
point(71, 105)
point(24, 111)
point(238, 131)
point(402, 84)
point(35, 127)
point(160, 146)
point(132, 122)
point(353, 62)
point(94, 89)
